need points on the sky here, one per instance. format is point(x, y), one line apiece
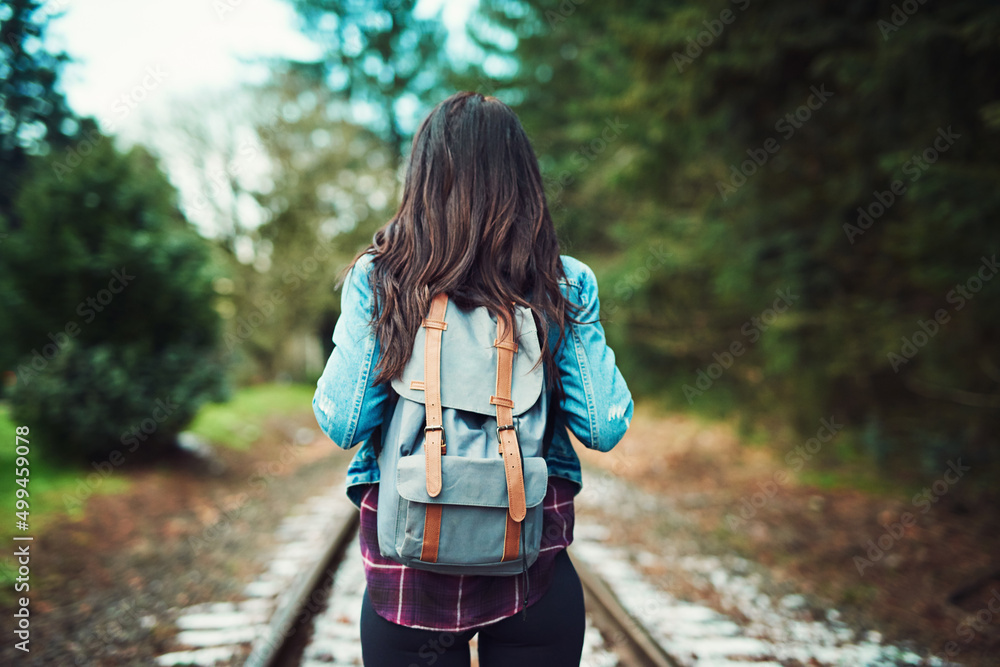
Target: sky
point(138, 61)
point(132, 57)
point(136, 56)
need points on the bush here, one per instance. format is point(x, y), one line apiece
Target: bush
point(90, 401)
point(112, 334)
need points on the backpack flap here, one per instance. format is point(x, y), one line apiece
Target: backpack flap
point(470, 481)
point(468, 356)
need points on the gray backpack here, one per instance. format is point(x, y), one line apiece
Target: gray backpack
point(462, 468)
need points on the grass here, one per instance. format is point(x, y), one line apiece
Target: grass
point(53, 491)
point(238, 423)
point(56, 491)
point(843, 464)
point(865, 478)
point(50, 485)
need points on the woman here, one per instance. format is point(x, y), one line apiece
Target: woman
point(473, 224)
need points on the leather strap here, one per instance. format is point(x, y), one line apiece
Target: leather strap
point(432, 533)
point(434, 439)
point(510, 451)
point(511, 539)
point(434, 443)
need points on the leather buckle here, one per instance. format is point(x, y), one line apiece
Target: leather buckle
point(509, 427)
point(437, 428)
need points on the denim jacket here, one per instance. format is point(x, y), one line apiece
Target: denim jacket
point(596, 405)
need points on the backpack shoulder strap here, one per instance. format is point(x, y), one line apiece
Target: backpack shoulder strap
point(434, 431)
point(506, 434)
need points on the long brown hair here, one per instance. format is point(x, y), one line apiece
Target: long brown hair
point(473, 223)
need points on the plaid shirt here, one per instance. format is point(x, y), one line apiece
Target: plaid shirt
point(433, 601)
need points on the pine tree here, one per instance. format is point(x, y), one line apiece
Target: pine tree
point(34, 114)
point(113, 341)
point(759, 147)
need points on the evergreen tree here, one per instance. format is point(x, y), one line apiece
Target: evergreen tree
point(758, 144)
point(113, 342)
point(381, 56)
point(34, 115)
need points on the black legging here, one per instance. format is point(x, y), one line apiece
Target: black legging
point(550, 636)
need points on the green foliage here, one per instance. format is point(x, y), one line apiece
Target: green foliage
point(380, 55)
point(58, 489)
point(330, 185)
point(238, 423)
point(49, 486)
point(113, 338)
point(746, 148)
point(34, 115)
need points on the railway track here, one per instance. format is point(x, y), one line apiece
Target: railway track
point(303, 610)
point(285, 639)
point(299, 633)
point(629, 638)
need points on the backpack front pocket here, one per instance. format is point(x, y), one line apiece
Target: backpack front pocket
point(474, 509)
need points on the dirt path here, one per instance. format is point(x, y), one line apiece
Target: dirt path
point(106, 589)
point(730, 500)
